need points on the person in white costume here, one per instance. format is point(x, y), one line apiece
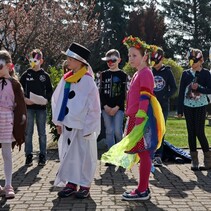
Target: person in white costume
point(76, 113)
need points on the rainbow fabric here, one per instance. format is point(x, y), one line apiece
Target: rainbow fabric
point(69, 78)
point(118, 153)
point(64, 102)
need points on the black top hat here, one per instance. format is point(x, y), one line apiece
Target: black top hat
point(78, 52)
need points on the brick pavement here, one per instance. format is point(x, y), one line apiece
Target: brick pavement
point(174, 188)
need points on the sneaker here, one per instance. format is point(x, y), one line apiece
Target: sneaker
point(157, 162)
point(135, 195)
point(148, 191)
point(69, 190)
point(82, 193)
point(42, 160)
point(29, 160)
point(9, 192)
point(2, 192)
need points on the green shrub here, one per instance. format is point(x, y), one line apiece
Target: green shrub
point(129, 70)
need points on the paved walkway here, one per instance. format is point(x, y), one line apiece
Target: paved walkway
point(174, 188)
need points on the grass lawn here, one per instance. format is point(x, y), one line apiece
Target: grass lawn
point(176, 132)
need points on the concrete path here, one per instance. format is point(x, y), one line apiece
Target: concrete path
point(174, 187)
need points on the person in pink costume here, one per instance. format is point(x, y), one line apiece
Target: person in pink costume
point(145, 125)
point(138, 53)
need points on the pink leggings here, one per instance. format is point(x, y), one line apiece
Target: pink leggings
point(145, 159)
point(144, 170)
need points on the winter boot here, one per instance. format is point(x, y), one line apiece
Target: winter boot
point(195, 161)
point(207, 161)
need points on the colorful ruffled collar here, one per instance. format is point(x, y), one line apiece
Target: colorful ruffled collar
point(71, 77)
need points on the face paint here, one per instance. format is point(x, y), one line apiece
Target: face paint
point(155, 59)
point(34, 62)
point(152, 63)
point(34, 59)
point(194, 57)
point(111, 61)
point(191, 62)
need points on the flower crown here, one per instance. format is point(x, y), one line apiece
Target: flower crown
point(153, 49)
point(138, 43)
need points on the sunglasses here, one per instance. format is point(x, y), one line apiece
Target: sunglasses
point(111, 61)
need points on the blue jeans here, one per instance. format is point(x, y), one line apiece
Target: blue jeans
point(113, 127)
point(40, 117)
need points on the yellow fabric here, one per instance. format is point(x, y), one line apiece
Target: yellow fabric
point(117, 153)
point(76, 76)
point(158, 114)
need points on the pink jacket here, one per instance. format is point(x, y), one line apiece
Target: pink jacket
point(142, 81)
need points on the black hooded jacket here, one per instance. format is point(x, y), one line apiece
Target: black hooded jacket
point(165, 85)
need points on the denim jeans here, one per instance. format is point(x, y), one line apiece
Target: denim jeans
point(40, 117)
point(113, 127)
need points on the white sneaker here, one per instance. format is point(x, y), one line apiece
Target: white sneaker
point(9, 192)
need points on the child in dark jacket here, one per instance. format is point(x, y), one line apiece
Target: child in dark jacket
point(38, 90)
point(195, 84)
point(165, 87)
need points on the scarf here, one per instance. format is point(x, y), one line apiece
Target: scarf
point(69, 78)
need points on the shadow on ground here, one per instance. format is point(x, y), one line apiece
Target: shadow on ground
point(3, 204)
point(71, 203)
point(203, 180)
point(23, 177)
point(164, 178)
